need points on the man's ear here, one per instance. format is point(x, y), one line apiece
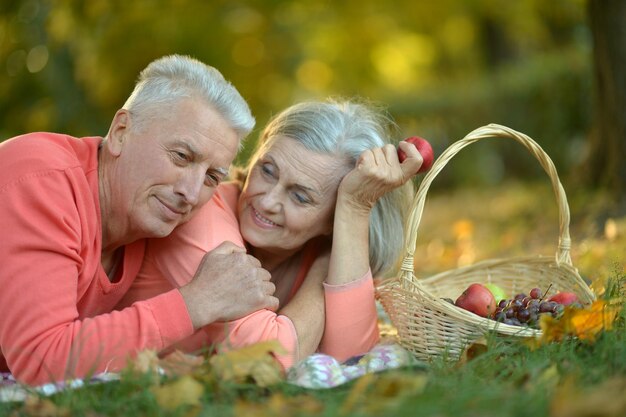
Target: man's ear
point(118, 132)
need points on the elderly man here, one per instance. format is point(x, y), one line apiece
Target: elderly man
point(75, 213)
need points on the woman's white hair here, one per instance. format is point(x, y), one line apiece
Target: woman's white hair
point(168, 79)
point(346, 128)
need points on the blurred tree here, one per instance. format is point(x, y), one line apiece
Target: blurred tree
point(606, 162)
point(443, 68)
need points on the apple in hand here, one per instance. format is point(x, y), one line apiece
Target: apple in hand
point(498, 292)
point(424, 148)
point(477, 299)
point(565, 298)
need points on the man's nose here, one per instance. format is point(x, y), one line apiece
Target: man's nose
point(190, 186)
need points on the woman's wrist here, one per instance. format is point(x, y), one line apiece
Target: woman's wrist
point(352, 206)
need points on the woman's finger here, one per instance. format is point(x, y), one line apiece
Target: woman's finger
point(413, 160)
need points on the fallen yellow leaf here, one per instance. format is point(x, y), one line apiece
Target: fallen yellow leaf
point(584, 323)
point(376, 393)
point(279, 405)
point(179, 363)
point(587, 323)
point(598, 285)
point(182, 391)
point(606, 400)
point(256, 362)
point(146, 361)
point(43, 407)
point(472, 351)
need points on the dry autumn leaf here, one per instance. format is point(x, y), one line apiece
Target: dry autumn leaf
point(182, 391)
point(179, 363)
point(606, 400)
point(279, 405)
point(375, 393)
point(256, 362)
point(598, 285)
point(587, 323)
point(146, 361)
point(472, 351)
point(43, 407)
point(583, 323)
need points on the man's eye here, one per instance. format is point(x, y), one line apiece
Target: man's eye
point(180, 156)
point(212, 180)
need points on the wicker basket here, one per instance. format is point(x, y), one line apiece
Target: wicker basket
point(429, 326)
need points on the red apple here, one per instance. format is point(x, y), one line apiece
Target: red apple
point(565, 298)
point(423, 148)
point(477, 299)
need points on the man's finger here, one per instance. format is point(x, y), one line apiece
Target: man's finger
point(254, 261)
point(272, 303)
point(269, 288)
point(264, 274)
point(228, 247)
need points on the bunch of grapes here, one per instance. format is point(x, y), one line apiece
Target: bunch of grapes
point(525, 310)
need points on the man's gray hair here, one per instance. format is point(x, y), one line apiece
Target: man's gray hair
point(347, 128)
point(171, 78)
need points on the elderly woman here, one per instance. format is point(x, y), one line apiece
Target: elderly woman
point(322, 208)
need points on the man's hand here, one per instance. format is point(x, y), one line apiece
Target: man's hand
point(228, 285)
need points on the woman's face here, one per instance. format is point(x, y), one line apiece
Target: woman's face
point(289, 196)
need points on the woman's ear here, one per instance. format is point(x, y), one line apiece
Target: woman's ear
point(119, 130)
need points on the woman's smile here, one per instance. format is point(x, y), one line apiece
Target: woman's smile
point(261, 220)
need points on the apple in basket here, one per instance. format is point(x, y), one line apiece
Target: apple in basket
point(477, 299)
point(424, 148)
point(497, 291)
point(564, 297)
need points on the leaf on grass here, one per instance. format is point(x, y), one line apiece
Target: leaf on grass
point(179, 363)
point(256, 362)
point(606, 400)
point(598, 285)
point(43, 407)
point(182, 391)
point(375, 393)
point(279, 405)
point(472, 351)
point(549, 377)
point(584, 323)
point(146, 361)
point(587, 323)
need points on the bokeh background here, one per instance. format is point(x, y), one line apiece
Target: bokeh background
point(440, 68)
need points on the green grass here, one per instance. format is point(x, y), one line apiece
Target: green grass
point(507, 379)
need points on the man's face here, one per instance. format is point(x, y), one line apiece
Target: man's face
point(167, 169)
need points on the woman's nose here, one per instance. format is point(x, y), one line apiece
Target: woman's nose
point(271, 200)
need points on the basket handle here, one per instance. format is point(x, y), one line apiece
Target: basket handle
point(489, 131)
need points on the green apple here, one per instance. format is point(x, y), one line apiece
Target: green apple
point(498, 293)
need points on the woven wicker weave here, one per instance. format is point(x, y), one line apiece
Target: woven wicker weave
point(429, 326)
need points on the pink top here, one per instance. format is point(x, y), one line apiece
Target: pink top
point(351, 318)
point(56, 301)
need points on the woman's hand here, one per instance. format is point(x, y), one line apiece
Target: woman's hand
point(377, 172)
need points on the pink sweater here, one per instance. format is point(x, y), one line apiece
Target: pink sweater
point(351, 319)
point(56, 301)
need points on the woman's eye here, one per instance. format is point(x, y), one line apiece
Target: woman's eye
point(267, 169)
point(301, 198)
